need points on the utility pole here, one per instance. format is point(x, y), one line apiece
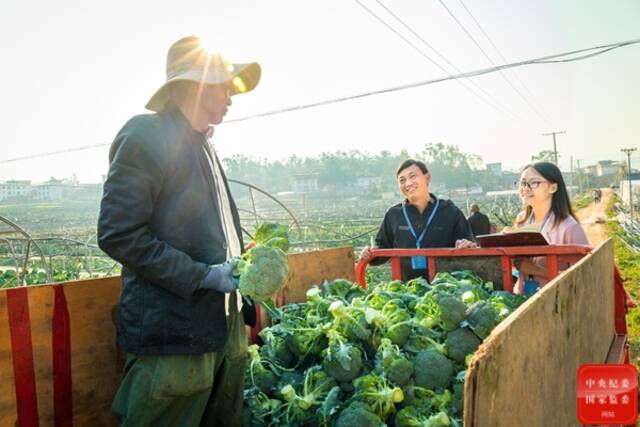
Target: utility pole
point(555, 150)
point(571, 177)
point(628, 152)
point(579, 177)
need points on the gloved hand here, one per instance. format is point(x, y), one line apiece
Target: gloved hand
point(219, 278)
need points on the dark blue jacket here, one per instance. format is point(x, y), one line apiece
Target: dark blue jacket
point(448, 225)
point(159, 218)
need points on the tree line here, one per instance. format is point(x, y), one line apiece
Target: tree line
point(447, 163)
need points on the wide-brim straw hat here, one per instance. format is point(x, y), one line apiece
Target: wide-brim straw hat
point(188, 60)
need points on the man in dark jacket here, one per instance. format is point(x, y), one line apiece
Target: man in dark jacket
point(168, 217)
point(479, 222)
point(420, 221)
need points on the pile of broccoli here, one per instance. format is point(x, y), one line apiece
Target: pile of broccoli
point(263, 269)
point(394, 354)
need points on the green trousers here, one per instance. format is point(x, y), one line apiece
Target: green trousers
point(186, 390)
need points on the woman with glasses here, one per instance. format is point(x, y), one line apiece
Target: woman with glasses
point(547, 208)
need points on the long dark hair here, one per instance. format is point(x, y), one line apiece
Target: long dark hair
point(560, 203)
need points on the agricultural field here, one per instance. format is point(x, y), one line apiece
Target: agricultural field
point(61, 244)
point(65, 232)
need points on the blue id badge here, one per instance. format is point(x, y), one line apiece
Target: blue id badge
point(419, 262)
point(531, 286)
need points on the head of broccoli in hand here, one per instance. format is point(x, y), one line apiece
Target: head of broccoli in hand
point(263, 269)
point(262, 272)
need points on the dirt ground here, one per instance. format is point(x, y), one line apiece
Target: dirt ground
point(593, 218)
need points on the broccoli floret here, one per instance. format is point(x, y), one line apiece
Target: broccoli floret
point(418, 286)
point(399, 323)
point(411, 416)
point(441, 419)
point(452, 311)
point(400, 371)
point(349, 321)
point(302, 407)
point(343, 360)
point(506, 302)
point(393, 364)
point(467, 276)
point(482, 318)
point(392, 321)
point(343, 289)
point(304, 340)
point(460, 342)
point(374, 390)
point(421, 342)
point(293, 378)
point(427, 401)
point(443, 277)
point(433, 370)
point(440, 309)
point(275, 348)
point(259, 409)
point(358, 414)
point(262, 270)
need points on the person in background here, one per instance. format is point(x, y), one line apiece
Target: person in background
point(168, 217)
point(420, 221)
point(597, 195)
point(479, 222)
point(547, 208)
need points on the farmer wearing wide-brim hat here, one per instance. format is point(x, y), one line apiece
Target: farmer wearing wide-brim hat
point(168, 217)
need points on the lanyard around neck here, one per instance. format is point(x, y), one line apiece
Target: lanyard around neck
point(406, 217)
point(544, 222)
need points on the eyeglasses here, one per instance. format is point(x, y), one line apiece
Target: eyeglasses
point(531, 185)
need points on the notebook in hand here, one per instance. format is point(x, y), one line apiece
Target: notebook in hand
point(518, 238)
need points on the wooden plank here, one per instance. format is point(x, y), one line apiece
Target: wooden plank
point(96, 362)
point(41, 312)
point(8, 407)
point(314, 267)
point(525, 372)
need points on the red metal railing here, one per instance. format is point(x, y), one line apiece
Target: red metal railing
point(555, 256)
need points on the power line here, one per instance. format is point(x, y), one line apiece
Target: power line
point(489, 58)
point(399, 35)
point(578, 58)
point(513, 73)
point(498, 106)
point(51, 153)
point(542, 60)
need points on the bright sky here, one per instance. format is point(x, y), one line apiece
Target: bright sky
point(73, 72)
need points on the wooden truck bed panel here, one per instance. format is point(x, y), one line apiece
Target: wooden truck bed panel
point(526, 370)
point(95, 371)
